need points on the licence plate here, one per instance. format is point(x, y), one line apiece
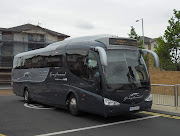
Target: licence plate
point(134, 108)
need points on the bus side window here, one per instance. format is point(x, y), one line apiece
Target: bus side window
point(76, 64)
point(53, 61)
point(56, 61)
point(28, 63)
point(83, 66)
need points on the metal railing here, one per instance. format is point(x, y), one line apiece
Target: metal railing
point(168, 95)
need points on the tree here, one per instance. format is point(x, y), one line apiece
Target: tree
point(134, 35)
point(164, 55)
point(169, 45)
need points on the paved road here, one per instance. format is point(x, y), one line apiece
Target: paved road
point(16, 119)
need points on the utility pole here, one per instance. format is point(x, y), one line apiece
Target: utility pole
point(142, 28)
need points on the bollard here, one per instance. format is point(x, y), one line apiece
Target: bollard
point(176, 96)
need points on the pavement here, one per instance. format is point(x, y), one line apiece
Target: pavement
point(5, 87)
point(166, 109)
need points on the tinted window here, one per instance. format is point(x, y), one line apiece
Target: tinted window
point(92, 67)
point(77, 63)
point(53, 61)
point(27, 63)
point(40, 61)
point(83, 65)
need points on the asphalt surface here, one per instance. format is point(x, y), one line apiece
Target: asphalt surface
point(20, 119)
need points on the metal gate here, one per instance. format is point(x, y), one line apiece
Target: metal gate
point(168, 95)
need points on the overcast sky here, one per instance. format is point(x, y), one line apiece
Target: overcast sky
point(90, 17)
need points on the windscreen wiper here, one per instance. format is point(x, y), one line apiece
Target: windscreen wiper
point(130, 75)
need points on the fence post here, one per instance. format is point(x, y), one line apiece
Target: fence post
point(176, 96)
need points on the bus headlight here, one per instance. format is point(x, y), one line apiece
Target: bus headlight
point(149, 98)
point(110, 102)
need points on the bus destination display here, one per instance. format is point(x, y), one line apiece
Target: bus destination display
point(129, 42)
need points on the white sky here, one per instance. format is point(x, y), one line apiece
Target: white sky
point(90, 17)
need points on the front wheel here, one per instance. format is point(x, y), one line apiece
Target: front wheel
point(26, 96)
point(73, 105)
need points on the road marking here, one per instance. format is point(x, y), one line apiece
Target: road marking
point(2, 135)
point(36, 106)
point(97, 126)
point(159, 114)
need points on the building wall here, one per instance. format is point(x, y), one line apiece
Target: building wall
point(145, 46)
point(19, 48)
point(51, 38)
point(36, 35)
point(14, 43)
point(7, 36)
point(21, 37)
point(153, 45)
point(0, 35)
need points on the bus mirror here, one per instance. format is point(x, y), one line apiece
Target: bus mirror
point(156, 58)
point(102, 54)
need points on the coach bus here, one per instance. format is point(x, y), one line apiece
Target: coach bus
point(101, 74)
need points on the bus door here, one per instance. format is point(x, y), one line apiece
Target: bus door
point(84, 76)
point(93, 73)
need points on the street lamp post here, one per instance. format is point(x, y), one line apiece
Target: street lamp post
point(142, 29)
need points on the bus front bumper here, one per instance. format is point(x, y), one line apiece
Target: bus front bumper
point(127, 108)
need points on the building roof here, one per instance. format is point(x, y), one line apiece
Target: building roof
point(2, 29)
point(147, 40)
point(27, 27)
point(154, 39)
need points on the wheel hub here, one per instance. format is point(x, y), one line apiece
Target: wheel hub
point(73, 104)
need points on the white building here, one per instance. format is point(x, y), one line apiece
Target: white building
point(149, 43)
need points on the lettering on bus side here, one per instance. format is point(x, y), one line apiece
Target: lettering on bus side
point(58, 76)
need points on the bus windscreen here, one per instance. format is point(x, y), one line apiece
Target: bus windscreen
point(128, 42)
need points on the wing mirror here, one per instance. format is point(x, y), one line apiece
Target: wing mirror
point(102, 54)
point(156, 58)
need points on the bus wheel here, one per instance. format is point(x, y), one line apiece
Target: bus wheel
point(73, 105)
point(26, 96)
